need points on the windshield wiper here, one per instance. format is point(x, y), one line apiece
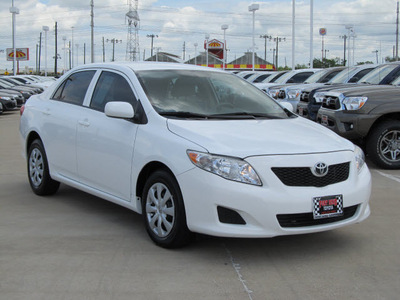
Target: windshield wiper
point(244, 115)
point(183, 114)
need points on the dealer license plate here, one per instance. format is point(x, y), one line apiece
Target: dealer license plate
point(324, 120)
point(327, 206)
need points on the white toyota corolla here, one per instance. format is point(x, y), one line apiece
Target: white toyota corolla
point(193, 150)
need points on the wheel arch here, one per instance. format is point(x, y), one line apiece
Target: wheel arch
point(145, 173)
point(392, 116)
point(33, 135)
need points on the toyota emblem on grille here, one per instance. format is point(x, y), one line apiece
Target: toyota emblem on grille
point(320, 169)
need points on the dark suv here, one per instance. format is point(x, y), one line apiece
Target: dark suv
point(369, 115)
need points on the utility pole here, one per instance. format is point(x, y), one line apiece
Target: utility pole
point(40, 49)
point(184, 50)
point(265, 37)
point(277, 40)
point(152, 36)
point(344, 37)
point(92, 32)
point(397, 32)
point(104, 51)
point(55, 54)
point(376, 52)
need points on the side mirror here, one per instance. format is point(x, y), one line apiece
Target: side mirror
point(123, 110)
point(286, 105)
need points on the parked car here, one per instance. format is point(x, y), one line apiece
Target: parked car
point(1, 108)
point(26, 91)
point(369, 115)
point(308, 105)
point(269, 78)
point(290, 93)
point(19, 96)
point(292, 77)
point(192, 149)
point(8, 102)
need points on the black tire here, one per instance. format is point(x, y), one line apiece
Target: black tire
point(165, 221)
point(38, 170)
point(383, 144)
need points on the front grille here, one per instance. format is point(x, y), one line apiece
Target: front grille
point(281, 94)
point(302, 176)
point(305, 96)
point(331, 102)
point(307, 219)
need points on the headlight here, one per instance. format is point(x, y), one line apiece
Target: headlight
point(273, 93)
point(293, 94)
point(227, 167)
point(360, 158)
point(319, 97)
point(354, 103)
point(5, 98)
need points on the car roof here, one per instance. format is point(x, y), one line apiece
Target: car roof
point(142, 66)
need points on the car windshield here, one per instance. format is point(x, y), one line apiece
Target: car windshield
point(316, 76)
point(343, 76)
point(377, 74)
point(206, 95)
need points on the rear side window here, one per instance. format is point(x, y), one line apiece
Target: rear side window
point(300, 77)
point(111, 87)
point(73, 89)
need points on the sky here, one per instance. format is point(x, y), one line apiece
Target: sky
point(180, 24)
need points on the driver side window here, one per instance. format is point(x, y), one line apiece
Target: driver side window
point(111, 87)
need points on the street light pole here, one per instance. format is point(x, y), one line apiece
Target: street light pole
point(45, 29)
point(207, 37)
point(14, 11)
point(224, 28)
point(253, 8)
point(195, 53)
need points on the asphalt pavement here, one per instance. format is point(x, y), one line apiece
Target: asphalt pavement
point(72, 245)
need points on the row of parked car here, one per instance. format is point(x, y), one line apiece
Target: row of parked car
point(360, 103)
point(15, 90)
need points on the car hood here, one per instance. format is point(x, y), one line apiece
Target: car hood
point(244, 138)
point(368, 89)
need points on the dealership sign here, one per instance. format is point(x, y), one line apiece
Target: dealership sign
point(21, 54)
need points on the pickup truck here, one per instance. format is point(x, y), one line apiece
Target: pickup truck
point(368, 115)
point(309, 105)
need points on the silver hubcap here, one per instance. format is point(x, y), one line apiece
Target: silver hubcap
point(390, 146)
point(160, 210)
point(36, 167)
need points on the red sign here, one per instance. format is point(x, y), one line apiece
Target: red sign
point(21, 54)
point(322, 31)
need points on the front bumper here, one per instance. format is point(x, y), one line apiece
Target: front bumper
point(259, 206)
point(348, 125)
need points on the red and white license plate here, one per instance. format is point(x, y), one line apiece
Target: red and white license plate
point(301, 111)
point(324, 120)
point(327, 206)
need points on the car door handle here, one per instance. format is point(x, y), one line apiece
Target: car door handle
point(84, 123)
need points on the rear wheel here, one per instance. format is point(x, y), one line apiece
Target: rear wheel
point(383, 145)
point(164, 211)
point(38, 170)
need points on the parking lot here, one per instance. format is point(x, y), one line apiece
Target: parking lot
point(75, 246)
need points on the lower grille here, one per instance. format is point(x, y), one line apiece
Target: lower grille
point(302, 176)
point(307, 219)
point(229, 216)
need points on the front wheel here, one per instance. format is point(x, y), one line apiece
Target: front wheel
point(38, 170)
point(164, 211)
point(383, 145)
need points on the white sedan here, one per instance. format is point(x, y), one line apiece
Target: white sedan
point(192, 149)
